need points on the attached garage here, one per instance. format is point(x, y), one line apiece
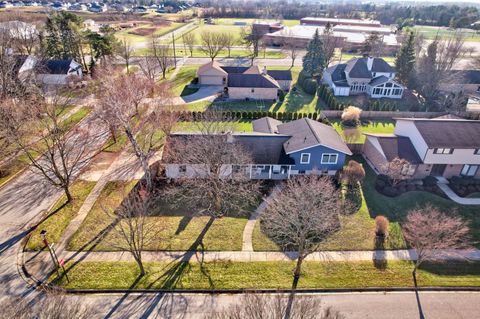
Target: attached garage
point(212, 74)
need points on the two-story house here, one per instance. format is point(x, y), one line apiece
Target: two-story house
point(372, 76)
point(278, 150)
point(437, 147)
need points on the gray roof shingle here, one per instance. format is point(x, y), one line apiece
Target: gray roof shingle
point(266, 125)
point(398, 146)
point(251, 81)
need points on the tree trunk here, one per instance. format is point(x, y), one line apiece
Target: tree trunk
point(67, 193)
point(293, 62)
point(296, 276)
point(140, 266)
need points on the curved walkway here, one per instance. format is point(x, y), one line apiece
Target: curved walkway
point(457, 199)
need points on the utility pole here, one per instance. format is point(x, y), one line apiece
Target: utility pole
point(57, 264)
point(174, 53)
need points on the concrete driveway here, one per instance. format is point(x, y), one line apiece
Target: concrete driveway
point(205, 93)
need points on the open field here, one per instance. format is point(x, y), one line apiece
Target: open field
point(237, 275)
point(230, 29)
point(141, 33)
point(431, 33)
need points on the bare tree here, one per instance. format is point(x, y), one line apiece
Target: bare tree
point(290, 48)
point(435, 236)
point(161, 54)
point(330, 43)
point(212, 43)
point(301, 216)
point(131, 225)
point(256, 306)
point(51, 306)
point(397, 170)
point(57, 152)
point(213, 186)
point(229, 41)
point(189, 41)
point(125, 50)
point(121, 105)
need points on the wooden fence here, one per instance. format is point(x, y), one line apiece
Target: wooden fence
point(384, 114)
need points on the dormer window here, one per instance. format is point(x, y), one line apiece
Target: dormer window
point(477, 151)
point(443, 151)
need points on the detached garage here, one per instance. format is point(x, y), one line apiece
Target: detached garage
point(212, 74)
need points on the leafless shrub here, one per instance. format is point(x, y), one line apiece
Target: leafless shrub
point(353, 173)
point(381, 226)
point(351, 135)
point(351, 113)
point(397, 170)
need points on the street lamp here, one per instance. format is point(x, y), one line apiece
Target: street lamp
point(43, 234)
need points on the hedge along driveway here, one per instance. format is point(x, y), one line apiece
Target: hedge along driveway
point(178, 230)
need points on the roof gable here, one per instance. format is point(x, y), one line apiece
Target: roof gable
point(211, 68)
point(252, 81)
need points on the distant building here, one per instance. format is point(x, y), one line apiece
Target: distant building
point(5, 4)
point(264, 27)
point(57, 72)
point(342, 22)
point(96, 7)
point(465, 81)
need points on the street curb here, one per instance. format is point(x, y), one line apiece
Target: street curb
point(269, 291)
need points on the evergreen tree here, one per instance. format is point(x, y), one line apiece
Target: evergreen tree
point(373, 45)
point(405, 61)
point(314, 59)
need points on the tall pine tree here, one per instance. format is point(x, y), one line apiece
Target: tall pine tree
point(405, 62)
point(314, 59)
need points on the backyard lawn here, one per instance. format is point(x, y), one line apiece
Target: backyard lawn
point(374, 127)
point(237, 126)
point(61, 215)
point(184, 77)
point(178, 227)
point(273, 274)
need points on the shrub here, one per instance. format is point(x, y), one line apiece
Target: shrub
point(380, 185)
point(390, 191)
point(310, 86)
point(302, 77)
point(430, 181)
point(281, 96)
point(353, 173)
point(351, 116)
point(381, 226)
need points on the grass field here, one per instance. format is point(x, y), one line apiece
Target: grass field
point(131, 36)
point(178, 228)
point(377, 127)
point(278, 274)
point(61, 215)
point(235, 31)
point(445, 33)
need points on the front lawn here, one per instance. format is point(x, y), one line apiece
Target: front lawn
point(184, 77)
point(178, 227)
point(396, 208)
point(61, 215)
point(256, 275)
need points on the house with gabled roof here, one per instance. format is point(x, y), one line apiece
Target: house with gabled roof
point(241, 82)
point(280, 150)
point(371, 76)
point(439, 147)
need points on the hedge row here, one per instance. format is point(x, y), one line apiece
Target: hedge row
point(244, 115)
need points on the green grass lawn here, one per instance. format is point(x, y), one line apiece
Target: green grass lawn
point(197, 53)
point(431, 33)
point(184, 77)
point(61, 215)
point(396, 208)
point(275, 274)
point(357, 233)
point(376, 127)
point(238, 126)
point(230, 29)
point(178, 230)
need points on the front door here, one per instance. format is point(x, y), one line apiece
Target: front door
point(438, 169)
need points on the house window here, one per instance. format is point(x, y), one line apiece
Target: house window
point(182, 169)
point(469, 170)
point(397, 91)
point(329, 158)
point(443, 151)
point(305, 158)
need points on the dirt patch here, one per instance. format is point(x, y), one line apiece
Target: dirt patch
point(143, 31)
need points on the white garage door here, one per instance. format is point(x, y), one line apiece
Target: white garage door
point(211, 80)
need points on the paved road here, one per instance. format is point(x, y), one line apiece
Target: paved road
point(22, 201)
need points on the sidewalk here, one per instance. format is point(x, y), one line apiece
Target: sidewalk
point(457, 199)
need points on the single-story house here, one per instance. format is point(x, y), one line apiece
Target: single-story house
point(57, 72)
point(372, 76)
point(245, 82)
point(465, 81)
point(439, 147)
point(280, 150)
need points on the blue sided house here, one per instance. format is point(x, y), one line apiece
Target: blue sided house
point(281, 150)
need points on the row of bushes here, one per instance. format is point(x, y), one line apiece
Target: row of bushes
point(384, 185)
point(244, 115)
point(464, 186)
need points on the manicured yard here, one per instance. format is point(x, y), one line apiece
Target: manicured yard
point(178, 229)
point(275, 274)
point(376, 127)
point(184, 76)
point(396, 208)
point(61, 215)
point(238, 126)
point(357, 233)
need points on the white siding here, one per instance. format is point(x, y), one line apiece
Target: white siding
point(459, 156)
point(408, 128)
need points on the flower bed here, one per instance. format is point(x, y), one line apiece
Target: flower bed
point(385, 186)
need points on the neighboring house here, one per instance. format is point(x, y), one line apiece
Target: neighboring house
point(19, 30)
point(465, 81)
point(372, 76)
point(280, 150)
point(96, 7)
point(438, 147)
point(57, 72)
point(245, 82)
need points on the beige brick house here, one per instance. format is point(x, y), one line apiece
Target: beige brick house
point(437, 147)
